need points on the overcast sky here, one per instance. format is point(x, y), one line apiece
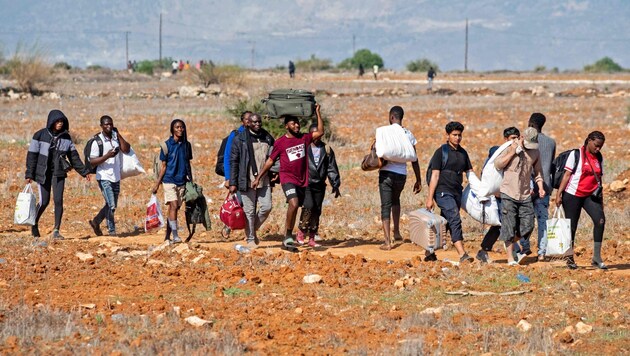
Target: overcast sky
point(509, 34)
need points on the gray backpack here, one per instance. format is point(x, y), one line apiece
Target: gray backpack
point(295, 102)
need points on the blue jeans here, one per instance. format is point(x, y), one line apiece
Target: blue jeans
point(110, 192)
point(449, 208)
point(541, 209)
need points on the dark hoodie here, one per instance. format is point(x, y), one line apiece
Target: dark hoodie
point(42, 160)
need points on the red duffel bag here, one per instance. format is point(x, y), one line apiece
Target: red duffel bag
point(232, 214)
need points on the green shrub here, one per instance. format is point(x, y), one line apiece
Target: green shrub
point(313, 64)
point(94, 67)
point(539, 69)
point(605, 64)
point(145, 67)
point(364, 57)
point(62, 65)
point(421, 65)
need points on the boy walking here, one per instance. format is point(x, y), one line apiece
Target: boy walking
point(108, 164)
point(175, 154)
point(250, 150)
point(446, 186)
point(321, 164)
point(291, 149)
point(518, 162)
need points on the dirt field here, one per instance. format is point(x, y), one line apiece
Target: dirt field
point(135, 295)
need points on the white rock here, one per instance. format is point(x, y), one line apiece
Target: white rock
point(523, 325)
point(137, 253)
point(582, 328)
point(188, 91)
point(88, 305)
point(181, 248)
point(177, 310)
point(298, 310)
point(437, 310)
point(84, 256)
point(312, 278)
point(157, 263)
point(198, 258)
point(617, 186)
point(197, 321)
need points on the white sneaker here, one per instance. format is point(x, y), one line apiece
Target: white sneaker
point(521, 258)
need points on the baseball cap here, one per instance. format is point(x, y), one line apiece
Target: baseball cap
point(530, 136)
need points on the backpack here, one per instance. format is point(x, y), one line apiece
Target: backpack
point(444, 149)
point(218, 167)
point(157, 163)
point(557, 166)
point(88, 149)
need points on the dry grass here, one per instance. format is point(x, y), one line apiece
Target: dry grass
point(29, 67)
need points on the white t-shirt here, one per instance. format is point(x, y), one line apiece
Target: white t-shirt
point(110, 169)
point(400, 167)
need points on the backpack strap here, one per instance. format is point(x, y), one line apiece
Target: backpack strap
point(444, 155)
point(164, 147)
point(99, 142)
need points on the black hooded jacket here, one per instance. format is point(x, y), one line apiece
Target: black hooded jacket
point(326, 167)
point(42, 160)
point(242, 156)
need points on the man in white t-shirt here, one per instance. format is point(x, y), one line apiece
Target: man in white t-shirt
point(391, 182)
point(104, 156)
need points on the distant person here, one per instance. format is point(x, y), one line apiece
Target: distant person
point(180, 67)
point(547, 149)
point(291, 69)
point(47, 149)
point(430, 75)
point(249, 152)
point(129, 67)
point(187, 65)
point(175, 66)
point(291, 149)
point(108, 163)
point(391, 182)
point(361, 70)
point(518, 162)
point(581, 188)
point(375, 71)
point(134, 66)
point(446, 187)
point(175, 154)
point(321, 165)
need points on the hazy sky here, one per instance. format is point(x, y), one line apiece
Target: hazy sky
point(509, 34)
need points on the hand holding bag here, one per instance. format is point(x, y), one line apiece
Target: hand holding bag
point(154, 219)
point(559, 235)
point(232, 213)
point(371, 161)
point(26, 207)
point(64, 164)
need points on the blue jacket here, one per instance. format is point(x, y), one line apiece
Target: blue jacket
point(228, 149)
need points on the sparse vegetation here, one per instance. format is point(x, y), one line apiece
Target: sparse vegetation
point(227, 74)
point(29, 67)
point(364, 57)
point(313, 64)
point(149, 66)
point(539, 69)
point(421, 65)
point(62, 66)
point(606, 65)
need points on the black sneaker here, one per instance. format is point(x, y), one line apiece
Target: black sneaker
point(35, 231)
point(571, 263)
point(599, 265)
point(96, 228)
point(482, 256)
point(57, 236)
point(466, 258)
point(527, 252)
point(430, 257)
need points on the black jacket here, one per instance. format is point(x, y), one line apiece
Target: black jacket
point(42, 160)
point(242, 154)
point(326, 167)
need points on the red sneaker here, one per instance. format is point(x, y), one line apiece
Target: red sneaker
point(312, 243)
point(300, 237)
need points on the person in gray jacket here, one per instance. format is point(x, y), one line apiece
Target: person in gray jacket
point(321, 165)
point(250, 149)
point(50, 156)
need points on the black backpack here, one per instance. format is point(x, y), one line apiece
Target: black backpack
point(88, 149)
point(557, 166)
point(444, 148)
point(218, 168)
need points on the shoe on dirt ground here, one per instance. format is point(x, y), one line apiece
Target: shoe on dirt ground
point(571, 263)
point(300, 237)
point(289, 244)
point(520, 258)
point(251, 244)
point(176, 240)
point(527, 252)
point(482, 256)
point(541, 258)
point(57, 236)
point(35, 231)
point(225, 232)
point(466, 258)
point(599, 265)
point(312, 243)
point(96, 228)
point(430, 257)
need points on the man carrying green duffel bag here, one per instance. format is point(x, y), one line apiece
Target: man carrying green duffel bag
point(293, 102)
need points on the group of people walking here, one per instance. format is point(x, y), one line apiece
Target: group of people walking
point(254, 161)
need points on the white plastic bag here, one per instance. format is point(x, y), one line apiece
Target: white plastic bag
point(392, 144)
point(130, 165)
point(484, 209)
point(491, 178)
point(26, 207)
point(154, 219)
point(559, 235)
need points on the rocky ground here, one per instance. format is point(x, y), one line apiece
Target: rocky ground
point(135, 295)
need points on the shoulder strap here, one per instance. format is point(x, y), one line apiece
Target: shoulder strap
point(327, 149)
point(576, 158)
point(99, 142)
point(164, 147)
point(444, 155)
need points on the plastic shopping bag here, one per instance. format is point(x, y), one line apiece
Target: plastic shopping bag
point(559, 234)
point(154, 219)
point(26, 207)
point(130, 165)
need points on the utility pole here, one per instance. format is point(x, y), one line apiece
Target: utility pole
point(466, 49)
point(126, 48)
point(160, 62)
point(354, 38)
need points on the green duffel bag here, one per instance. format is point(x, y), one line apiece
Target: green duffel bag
point(296, 102)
